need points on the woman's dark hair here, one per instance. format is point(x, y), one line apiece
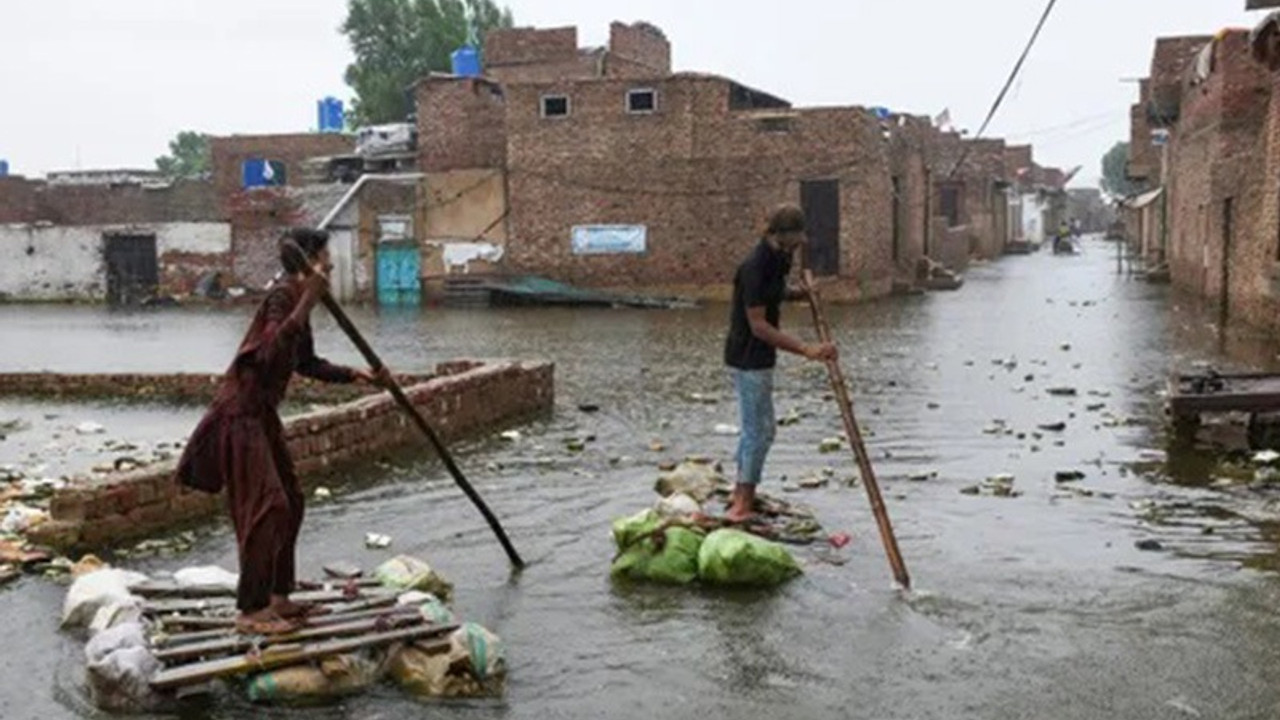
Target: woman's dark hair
point(785, 219)
point(311, 242)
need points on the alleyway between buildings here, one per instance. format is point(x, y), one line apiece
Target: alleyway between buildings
point(1039, 605)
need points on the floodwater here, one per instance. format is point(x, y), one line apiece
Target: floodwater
point(1033, 606)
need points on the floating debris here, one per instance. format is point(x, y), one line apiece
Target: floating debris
point(726, 430)
point(1266, 457)
point(830, 445)
point(1053, 427)
point(1149, 545)
point(90, 428)
point(512, 436)
point(375, 541)
point(1062, 391)
point(323, 493)
point(1066, 476)
point(589, 408)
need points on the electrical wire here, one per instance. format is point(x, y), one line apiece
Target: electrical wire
point(1013, 76)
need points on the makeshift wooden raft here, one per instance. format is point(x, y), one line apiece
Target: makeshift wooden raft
point(197, 640)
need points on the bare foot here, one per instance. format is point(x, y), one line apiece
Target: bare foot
point(288, 609)
point(264, 622)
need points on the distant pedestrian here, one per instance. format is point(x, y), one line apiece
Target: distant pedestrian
point(240, 444)
point(750, 351)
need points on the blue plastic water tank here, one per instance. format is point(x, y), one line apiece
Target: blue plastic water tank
point(330, 115)
point(466, 61)
point(4, 168)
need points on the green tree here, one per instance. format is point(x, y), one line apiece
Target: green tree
point(396, 42)
point(1114, 179)
point(188, 156)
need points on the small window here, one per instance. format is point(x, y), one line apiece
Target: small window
point(555, 106)
point(774, 125)
point(642, 101)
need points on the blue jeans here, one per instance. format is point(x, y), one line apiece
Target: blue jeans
point(756, 416)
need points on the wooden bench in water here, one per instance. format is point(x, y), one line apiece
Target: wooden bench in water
point(1192, 395)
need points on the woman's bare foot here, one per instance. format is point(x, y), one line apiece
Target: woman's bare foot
point(264, 622)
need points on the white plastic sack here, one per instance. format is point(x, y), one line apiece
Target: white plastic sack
point(210, 576)
point(116, 613)
point(120, 668)
point(91, 592)
point(678, 506)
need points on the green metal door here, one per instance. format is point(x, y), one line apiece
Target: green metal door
point(399, 280)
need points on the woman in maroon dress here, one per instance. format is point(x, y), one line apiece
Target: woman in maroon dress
point(240, 445)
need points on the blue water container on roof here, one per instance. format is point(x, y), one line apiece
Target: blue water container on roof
point(330, 115)
point(466, 61)
point(4, 168)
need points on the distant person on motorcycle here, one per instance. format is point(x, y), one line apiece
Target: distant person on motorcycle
point(1062, 236)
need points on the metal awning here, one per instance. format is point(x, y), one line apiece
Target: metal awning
point(1140, 201)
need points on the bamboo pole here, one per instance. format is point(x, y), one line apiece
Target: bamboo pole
point(376, 364)
point(841, 391)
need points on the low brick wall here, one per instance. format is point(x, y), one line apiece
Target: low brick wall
point(463, 399)
point(183, 388)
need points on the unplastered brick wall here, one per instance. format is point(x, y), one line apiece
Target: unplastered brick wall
point(1217, 185)
point(461, 124)
point(181, 388)
point(699, 176)
point(229, 154)
point(466, 399)
point(638, 49)
point(18, 200)
point(258, 217)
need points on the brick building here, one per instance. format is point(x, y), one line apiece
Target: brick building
point(1218, 209)
point(685, 164)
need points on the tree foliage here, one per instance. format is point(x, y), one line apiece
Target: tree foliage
point(1114, 179)
point(397, 42)
point(188, 156)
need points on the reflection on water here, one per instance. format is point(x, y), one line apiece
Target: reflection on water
point(1036, 606)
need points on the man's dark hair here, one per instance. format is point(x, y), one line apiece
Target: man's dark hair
point(785, 219)
point(311, 242)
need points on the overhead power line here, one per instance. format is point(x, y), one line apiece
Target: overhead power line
point(1013, 76)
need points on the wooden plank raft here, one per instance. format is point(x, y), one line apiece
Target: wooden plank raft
point(226, 618)
point(170, 589)
point(223, 625)
point(227, 603)
point(279, 656)
point(232, 643)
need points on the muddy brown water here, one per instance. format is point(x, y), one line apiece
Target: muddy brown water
point(1035, 606)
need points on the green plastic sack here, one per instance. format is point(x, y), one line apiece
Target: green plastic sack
point(640, 559)
point(628, 530)
point(733, 557)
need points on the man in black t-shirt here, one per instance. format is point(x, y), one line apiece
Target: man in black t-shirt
point(751, 350)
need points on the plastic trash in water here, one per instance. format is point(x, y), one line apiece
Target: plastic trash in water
point(375, 541)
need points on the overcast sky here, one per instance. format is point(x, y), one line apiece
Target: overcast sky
point(106, 83)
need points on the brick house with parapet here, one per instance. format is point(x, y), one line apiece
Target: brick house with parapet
point(695, 160)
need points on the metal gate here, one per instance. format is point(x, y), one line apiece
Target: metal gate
point(820, 200)
point(133, 272)
point(399, 279)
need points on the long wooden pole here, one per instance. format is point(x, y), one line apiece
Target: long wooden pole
point(375, 363)
point(841, 391)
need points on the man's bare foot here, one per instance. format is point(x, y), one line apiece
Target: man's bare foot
point(290, 610)
point(264, 622)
